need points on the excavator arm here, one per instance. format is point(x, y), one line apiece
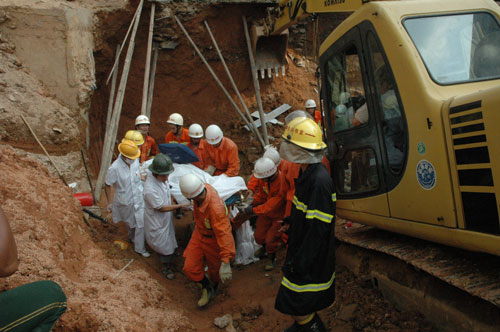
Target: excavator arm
point(294, 11)
point(270, 40)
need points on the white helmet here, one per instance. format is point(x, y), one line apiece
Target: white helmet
point(213, 134)
point(264, 168)
point(195, 131)
point(310, 103)
point(142, 119)
point(175, 119)
point(273, 154)
point(191, 185)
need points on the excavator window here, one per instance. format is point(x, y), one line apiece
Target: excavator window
point(389, 106)
point(364, 116)
point(457, 48)
point(347, 91)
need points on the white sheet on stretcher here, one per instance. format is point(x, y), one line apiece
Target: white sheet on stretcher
point(226, 187)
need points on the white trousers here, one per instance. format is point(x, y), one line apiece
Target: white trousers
point(136, 235)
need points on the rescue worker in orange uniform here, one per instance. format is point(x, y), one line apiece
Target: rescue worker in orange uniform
point(149, 148)
point(212, 242)
point(197, 144)
point(177, 133)
point(221, 153)
point(269, 205)
point(310, 106)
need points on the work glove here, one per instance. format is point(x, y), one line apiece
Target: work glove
point(210, 170)
point(225, 273)
point(109, 208)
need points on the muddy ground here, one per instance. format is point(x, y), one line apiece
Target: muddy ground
point(55, 243)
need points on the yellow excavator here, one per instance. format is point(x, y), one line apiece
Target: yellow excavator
point(410, 95)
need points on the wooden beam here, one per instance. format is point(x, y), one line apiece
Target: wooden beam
point(212, 72)
point(45, 151)
point(255, 81)
point(152, 81)
point(125, 40)
point(113, 89)
point(253, 128)
point(148, 61)
point(110, 137)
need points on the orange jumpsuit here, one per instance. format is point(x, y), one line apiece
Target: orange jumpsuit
point(269, 206)
point(170, 137)
point(252, 184)
point(224, 158)
point(290, 172)
point(317, 117)
point(200, 153)
point(212, 239)
point(148, 149)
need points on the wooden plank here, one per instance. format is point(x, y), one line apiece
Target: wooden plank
point(256, 85)
point(45, 151)
point(110, 137)
point(152, 82)
point(271, 116)
point(113, 89)
point(148, 62)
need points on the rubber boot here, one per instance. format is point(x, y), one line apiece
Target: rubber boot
point(295, 327)
point(315, 325)
point(207, 293)
point(272, 264)
point(261, 252)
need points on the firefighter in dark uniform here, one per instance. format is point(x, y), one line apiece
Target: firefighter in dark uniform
point(308, 283)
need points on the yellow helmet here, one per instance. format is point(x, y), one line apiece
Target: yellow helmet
point(135, 136)
point(129, 149)
point(305, 133)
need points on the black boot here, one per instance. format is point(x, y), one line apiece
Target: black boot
point(295, 327)
point(315, 325)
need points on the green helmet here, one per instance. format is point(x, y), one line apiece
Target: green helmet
point(162, 165)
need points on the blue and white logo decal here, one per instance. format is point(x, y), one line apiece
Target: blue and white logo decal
point(426, 174)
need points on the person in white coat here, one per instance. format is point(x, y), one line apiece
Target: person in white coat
point(158, 222)
point(128, 200)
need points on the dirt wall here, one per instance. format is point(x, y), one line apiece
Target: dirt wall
point(184, 85)
point(54, 243)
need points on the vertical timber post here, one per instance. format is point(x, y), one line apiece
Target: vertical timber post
point(255, 82)
point(148, 61)
point(110, 137)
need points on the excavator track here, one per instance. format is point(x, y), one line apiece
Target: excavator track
point(475, 273)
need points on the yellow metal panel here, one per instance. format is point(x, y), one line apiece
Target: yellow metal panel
point(490, 99)
point(333, 6)
point(467, 123)
point(375, 204)
point(477, 189)
point(473, 166)
point(468, 134)
point(471, 145)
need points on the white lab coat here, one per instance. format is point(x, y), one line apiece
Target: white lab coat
point(158, 226)
point(128, 200)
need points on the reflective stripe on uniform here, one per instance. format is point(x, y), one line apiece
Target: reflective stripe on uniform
point(309, 287)
point(334, 197)
point(311, 214)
